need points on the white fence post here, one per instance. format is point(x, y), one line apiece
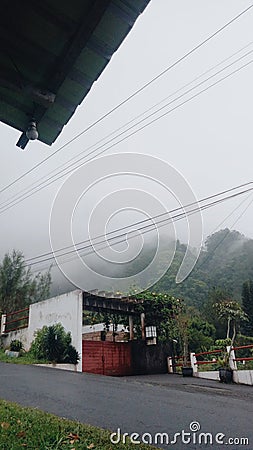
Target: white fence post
point(232, 363)
point(3, 323)
point(170, 364)
point(194, 363)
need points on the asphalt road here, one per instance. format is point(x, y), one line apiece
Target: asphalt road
point(144, 404)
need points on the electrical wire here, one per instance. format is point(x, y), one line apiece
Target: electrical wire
point(180, 217)
point(210, 255)
point(146, 220)
point(131, 237)
point(51, 180)
point(35, 184)
point(145, 228)
point(134, 94)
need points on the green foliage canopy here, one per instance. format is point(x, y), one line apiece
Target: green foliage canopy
point(247, 304)
point(18, 287)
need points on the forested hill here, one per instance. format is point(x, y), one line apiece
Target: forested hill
point(225, 262)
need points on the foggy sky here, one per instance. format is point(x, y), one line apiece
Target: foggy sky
point(208, 140)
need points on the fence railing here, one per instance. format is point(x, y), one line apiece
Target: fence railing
point(175, 362)
point(242, 359)
point(232, 361)
point(207, 364)
point(198, 362)
point(15, 320)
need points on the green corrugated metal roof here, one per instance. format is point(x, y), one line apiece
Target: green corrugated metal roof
point(56, 48)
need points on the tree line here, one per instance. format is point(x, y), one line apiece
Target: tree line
point(18, 286)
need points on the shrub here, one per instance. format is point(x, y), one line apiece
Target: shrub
point(71, 355)
point(53, 343)
point(16, 345)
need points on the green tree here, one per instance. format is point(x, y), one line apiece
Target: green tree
point(247, 304)
point(201, 335)
point(232, 314)
point(161, 311)
point(18, 288)
point(209, 313)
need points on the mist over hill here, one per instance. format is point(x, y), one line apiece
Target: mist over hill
point(226, 261)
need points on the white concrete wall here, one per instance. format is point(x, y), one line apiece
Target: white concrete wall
point(71, 367)
point(239, 376)
point(243, 377)
point(20, 335)
point(66, 309)
point(209, 375)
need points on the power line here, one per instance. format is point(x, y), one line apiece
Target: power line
point(179, 217)
point(89, 127)
point(34, 185)
point(144, 228)
point(164, 223)
point(52, 180)
point(149, 219)
point(232, 212)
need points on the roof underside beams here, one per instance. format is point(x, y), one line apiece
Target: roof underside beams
point(51, 54)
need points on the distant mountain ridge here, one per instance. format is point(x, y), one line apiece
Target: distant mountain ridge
point(226, 262)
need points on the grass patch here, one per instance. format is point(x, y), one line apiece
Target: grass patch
point(29, 428)
point(24, 358)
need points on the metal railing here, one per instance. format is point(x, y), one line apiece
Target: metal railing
point(202, 362)
point(243, 358)
point(15, 320)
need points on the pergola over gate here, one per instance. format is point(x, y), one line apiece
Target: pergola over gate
point(103, 302)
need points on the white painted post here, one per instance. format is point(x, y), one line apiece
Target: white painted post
point(3, 323)
point(232, 363)
point(170, 364)
point(193, 363)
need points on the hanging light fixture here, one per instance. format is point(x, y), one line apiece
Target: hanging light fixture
point(32, 132)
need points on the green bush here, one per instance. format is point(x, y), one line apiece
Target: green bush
point(53, 343)
point(71, 355)
point(16, 345)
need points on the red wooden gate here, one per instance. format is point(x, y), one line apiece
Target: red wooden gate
point(107, 358)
